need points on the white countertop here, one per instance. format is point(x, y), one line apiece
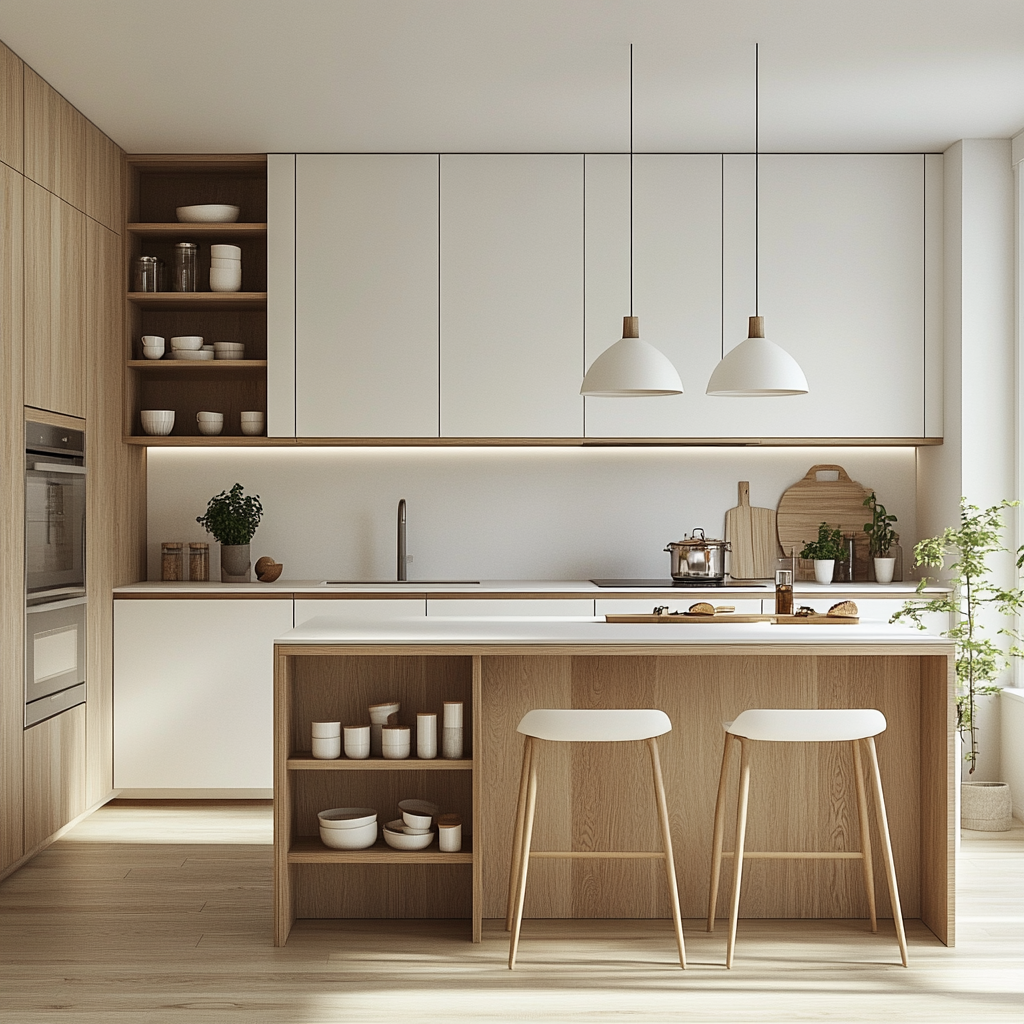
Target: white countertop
point(549, 589)
point(595, 631)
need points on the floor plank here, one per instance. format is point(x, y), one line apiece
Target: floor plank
point(153, 914)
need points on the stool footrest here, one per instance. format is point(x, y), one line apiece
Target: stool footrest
point(810, 855)
point(581, 855)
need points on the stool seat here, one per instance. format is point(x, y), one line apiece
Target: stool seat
point(793, 725)
point(583, 725)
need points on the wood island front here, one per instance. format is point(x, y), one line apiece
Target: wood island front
point(597, 796)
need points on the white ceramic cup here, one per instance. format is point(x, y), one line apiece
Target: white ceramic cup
point(357, 742)
point(426, 735)
point(452, 714)
point(223, 280)
point(210, 423)
point(449, 837)
point(395, 742)
point(327, 748)
point(226, 252)
point(252, 423)
point(152, 339)
point(157, 422)
point(153, 351)
point(325, 730)
point(221, 263)
point(186, 343)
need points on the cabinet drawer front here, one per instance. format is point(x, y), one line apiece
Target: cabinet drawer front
point(359, 609)
point(528, 609)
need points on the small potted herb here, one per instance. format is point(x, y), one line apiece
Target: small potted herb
point(825, 551)
point(232, 517)
point(881, 537)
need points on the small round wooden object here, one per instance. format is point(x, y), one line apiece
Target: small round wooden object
point(267, 570)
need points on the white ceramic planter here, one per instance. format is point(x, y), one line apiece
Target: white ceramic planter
point(823, 569)
point(986, 806)
point(884, 569)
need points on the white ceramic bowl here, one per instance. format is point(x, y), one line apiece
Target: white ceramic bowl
point(222, 280)
point(404, 841)
point(210, 213)
point(223, 263)
point(349, 838)
point(209, 429)
point(192, 355)
point(157, 422)
point(186, 343)
point(347, 817)
point(152, 339)
point(322, 730)
point(424, 807)
point(153, 351)
point(325, 748)
point(420, 822)
point(228, 350)
point(226, 252)
point(208, 348)
point(254, 428)
point(400, 826)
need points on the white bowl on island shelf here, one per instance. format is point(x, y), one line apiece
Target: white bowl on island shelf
point(407, 841)
point(349, 838)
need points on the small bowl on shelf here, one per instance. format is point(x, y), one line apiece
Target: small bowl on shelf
point(194, 356)
point(187, 343)
point(228, 350)
point(208, 213)
point(152, 351)
point(417, 822)
point(421, 807)
point(398, 825)
point(157, 422)
point(349, 838)
point(347, 817)
point(405, 841)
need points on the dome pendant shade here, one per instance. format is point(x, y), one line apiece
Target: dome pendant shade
point(757, 368)
point(631, 368)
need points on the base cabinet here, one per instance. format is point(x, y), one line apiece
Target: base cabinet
point(54, 774)
point(193, 693)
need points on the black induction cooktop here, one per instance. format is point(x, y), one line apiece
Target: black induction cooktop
point(678, 584)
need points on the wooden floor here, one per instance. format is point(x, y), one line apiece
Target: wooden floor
point(158, 914)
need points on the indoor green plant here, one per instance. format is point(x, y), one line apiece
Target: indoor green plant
point(826, 551)
point(881, 537)
point(973, 598)
point(232, 517)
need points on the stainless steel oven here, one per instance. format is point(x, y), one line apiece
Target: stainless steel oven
point(55, 603)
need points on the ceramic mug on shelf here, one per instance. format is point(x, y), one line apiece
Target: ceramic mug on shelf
point(357, 742)
point(252, 423)
point(210, 423)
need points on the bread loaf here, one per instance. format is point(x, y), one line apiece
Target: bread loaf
point(702, 608)
point(844, 609)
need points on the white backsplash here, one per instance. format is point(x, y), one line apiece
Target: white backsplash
point(493, 513)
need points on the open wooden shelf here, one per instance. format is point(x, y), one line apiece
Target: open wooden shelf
point(303, 761)
point(309, 850)
point(176, 229)
point(198, 300)
point(199, 441)
point(198, 365)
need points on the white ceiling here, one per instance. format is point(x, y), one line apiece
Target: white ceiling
point(529, 75)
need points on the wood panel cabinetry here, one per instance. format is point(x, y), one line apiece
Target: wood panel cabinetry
point(12, 77)
point(54, 775)
point(54, 303)
point(55, 141)
point(103, 179)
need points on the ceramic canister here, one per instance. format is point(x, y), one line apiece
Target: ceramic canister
point(426, 735)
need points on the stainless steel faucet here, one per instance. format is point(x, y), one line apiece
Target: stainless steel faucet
point(401, 542)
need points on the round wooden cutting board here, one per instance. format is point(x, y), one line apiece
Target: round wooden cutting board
point(812, 501)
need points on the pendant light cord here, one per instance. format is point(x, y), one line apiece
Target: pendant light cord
point(630, 179)
point(757, 176)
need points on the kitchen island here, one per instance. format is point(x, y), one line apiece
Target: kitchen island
point(597, 798)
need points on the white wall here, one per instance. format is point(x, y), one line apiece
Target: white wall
point(502, 513)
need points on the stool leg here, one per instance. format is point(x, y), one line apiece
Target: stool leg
point(716, 846)
point(890, 869)
point(666, 842)
point(865, 835)
point(741, 836)
point(524, 865)
point(517, 839)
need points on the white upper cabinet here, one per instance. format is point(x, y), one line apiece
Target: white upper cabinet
point(511, 295)
point(366, 296)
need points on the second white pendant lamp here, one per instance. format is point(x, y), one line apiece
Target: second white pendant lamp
point(757, 367)
point(631, 368)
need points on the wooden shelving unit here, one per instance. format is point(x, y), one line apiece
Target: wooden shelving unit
point(157, 185)
point(312, 880)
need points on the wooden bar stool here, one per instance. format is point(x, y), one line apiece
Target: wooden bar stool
point(584, 726)
point(854, 726)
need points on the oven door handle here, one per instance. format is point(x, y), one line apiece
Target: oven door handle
point(54, 606)
point(56, 467)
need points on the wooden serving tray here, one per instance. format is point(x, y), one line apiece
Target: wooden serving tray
point(778, 620)
point(815, 620)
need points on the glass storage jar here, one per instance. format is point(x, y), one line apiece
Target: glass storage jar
point(172, 562)
point(147, 274)
point(186, 267)
point(199, 562)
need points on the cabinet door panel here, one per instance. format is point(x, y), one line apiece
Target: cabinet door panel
point(511, 295)
point(103, 171)
point(366, 296)
point(193, 693)
point(516, 608)
point(358, 610)
point(54, 141)
point(54, 774)
point(12, 72)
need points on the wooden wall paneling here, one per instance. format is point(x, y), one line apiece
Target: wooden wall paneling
point(12, 77)
point(281, 295)
point(54, 774)
point(512, 686)
point(284, 786)
point(12, 530)
point(54, 141)
point(103, 179)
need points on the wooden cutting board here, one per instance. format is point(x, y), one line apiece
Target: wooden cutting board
point(778, 620)
point(751, 533)
point(811, 501)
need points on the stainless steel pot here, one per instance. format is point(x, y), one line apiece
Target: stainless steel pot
point(695, 559)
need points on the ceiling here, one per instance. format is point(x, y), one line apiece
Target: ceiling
point(529, 75)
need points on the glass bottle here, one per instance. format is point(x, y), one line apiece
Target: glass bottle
point(186, 267)
point(783, 592)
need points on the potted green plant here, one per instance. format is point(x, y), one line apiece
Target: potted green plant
point(826, 551)
point(881, 537)
point(232, 517)
point(975, 604)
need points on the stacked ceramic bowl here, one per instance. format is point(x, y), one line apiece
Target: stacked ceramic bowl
point(209, 213)
point(225, 268)
point(189, 346)
point(412, 831)
point(348, 828)
point(228, 350)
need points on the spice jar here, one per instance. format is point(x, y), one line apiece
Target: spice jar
point(186, 267)
point(199, 562)
point(783, 592)
point(172, 562)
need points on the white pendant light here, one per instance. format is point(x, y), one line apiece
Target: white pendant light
point(757, 367)
point(631, 368)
